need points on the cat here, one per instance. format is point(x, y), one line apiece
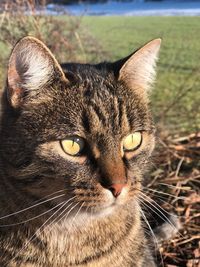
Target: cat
point(76, 141)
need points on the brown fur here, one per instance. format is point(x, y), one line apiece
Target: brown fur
point(101, 104)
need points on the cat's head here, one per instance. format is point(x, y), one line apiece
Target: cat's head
point(83, 129)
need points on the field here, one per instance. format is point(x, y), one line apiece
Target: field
point(175, 100)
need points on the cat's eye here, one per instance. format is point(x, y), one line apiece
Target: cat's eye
point(73, 145)
point(132, 141)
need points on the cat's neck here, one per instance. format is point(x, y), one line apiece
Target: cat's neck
point(89, 235)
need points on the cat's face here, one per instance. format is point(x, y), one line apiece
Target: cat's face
point(86, 129)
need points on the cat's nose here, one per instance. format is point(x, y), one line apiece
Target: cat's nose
point(116, 189)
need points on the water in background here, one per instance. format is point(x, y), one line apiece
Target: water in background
point(131, 8)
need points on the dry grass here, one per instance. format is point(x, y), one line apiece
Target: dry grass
point(177, 177)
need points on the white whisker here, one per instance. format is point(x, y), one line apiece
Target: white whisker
point(31, 207)
point(156, 245)
point(65, 216)
point(164, 193)
point(51, 225)
point(28, 220)
point(79, 210)
point(158, 206)
point(61, 216)
point(34, 236)
point(163, 200)
point(59, 191)
point(159, 213)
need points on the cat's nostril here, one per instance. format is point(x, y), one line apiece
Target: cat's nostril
point(116, 189)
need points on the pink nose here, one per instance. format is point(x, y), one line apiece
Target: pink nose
point(116, 189)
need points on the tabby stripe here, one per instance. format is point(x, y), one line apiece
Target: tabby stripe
point(86, 123)
point(102, 117)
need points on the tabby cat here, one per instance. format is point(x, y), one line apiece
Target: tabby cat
point(75, 143)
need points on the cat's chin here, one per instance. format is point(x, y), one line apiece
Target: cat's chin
point(84, 218)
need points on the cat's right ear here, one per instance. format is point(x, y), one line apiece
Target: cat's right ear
point(137, 71)
point(31, 67)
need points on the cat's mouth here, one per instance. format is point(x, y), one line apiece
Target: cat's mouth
point(119, 199)
point(99, 200)
point(107, 202)
point(111, 204)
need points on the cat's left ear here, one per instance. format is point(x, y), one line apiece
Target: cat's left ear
point(138, 71)
point(31, 67)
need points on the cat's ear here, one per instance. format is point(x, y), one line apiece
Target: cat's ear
point(31, 67)
point(138, 71)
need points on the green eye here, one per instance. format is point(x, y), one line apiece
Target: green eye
point(132, 141)
point(73, 146)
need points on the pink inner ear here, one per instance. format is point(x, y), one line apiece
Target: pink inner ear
point(13, 85)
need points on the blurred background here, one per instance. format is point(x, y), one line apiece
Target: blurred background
point(94, 31)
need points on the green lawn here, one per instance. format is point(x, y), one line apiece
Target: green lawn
point(176, 97)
